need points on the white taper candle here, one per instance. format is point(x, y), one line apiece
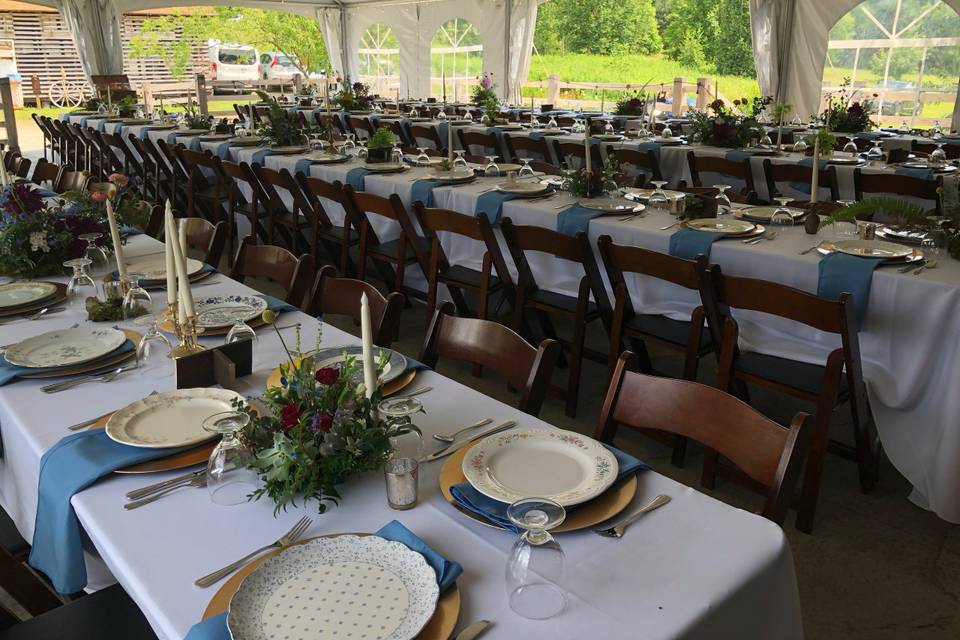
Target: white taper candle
point(366, 336)
point(168, 235)
point(815, 178)
point(115, 237)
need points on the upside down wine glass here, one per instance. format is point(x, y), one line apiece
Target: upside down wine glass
point(535, 566)
point(724, 206)
point(658, 199)
point(153, 350)
point(491, 170)
point(526, 171)
point(229, 479)
point(781, 214)
point(459, 162)
point(81, 285)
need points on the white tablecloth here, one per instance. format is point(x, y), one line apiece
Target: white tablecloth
point(696, 568)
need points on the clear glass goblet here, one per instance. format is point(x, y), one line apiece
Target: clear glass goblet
point(936, 131)
point(349, 142)
point(796, 122)
point(422, 158)
point(136, 301)
point(99, 263)
point(658, 199)
point(851, 148)
point(765, 141)
point(781, 214)
point(552, 123)
point(904, 127)
point(526, 171)
point(875, 153)
point(441, 115)
point(81, 285)
point(459, 162)
point(229, 480)
point(667, 132)
point(242, 331)
point(800, 146)
point(724, 205)
point(536, 563)
point(938, 157)
point(491, 170)
point(396, 155)
point(608, 129)
point(414, 113)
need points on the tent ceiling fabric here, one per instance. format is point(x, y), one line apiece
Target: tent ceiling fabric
point(791, 68)
point(95, 28)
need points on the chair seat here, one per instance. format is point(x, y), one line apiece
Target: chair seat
point(389, 249)
point(109, 613)
point(458, 274)
point(559, 301)
point(799, 375)
point(667, 329)
point(10, 538)
point(337, 232)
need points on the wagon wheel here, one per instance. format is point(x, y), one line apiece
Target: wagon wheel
point(66, 94)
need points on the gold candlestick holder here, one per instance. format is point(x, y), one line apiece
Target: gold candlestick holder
point(187, 334)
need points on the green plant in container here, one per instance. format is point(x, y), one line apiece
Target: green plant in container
point(379, 145)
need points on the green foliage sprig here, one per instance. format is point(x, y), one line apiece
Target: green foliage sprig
point(725, 128)
point(192, 116)
point(828, 141)
point(383, 138)
point(282, 130)
point(485, 92)
point(908, 213)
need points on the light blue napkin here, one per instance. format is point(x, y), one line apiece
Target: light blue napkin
point(71, 465)
point(495, 511)
point(737, 155)
point(442, 131)
point(688, 243)
point(535, 135)
point(356, 178)
point(9, 371)
point(276, 304)
point(223, 150)
point(804, 187)
point(914, 172)
point(843, 273)
point(490, 204)
point(651, 146)
point(102, 126)
point(194, 143)
point(576, 219)
point(303, 165)
point(422, 190)
point(258, 156)
point(215, 627)
point(172, 137)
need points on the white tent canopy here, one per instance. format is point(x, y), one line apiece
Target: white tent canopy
point(790, 48)
point(506, 27)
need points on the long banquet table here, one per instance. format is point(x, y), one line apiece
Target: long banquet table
point(696, 568)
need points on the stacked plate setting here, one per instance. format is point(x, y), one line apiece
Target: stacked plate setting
point(172, 419)
point(891, 252)
point(69, 351)
point(217, 312)
point(726, 226)
point(23, 297)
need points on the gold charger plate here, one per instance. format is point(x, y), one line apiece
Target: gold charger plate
point(59, 296)
point(400, 382)
point(439, 627)
point(87, 367)
point(613, 501)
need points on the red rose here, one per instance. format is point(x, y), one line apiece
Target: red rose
point(327, 375)
point(289, 416)
point(326, 421)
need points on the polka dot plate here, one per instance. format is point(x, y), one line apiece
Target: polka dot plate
point(362, 588)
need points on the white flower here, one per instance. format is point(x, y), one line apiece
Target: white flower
point(38, 241)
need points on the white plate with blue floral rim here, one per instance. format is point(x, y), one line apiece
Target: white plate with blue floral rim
point(222, 311)
point(171, 419)
point(18, 294)
point(65, 348)
point(364, 588)
point(564, 466)
point(334, 357)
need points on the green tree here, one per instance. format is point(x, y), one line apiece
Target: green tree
point(711, 34)
point(172, 38)
point(599, 26)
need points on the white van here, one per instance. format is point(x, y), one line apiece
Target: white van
point(232, 64)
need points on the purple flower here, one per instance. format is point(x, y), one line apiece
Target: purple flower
point(486, 82)
point(20, 199)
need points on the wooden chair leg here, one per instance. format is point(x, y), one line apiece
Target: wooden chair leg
point(813, 473)
point(24, 587)
point(576, 362)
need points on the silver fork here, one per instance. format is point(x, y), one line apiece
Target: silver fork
point(443, 437)
point(809, 249)
point(617, 530)
point(282, 542)
point(56, 387)
point(925, 266)
point(669, 226)
point(765, 236)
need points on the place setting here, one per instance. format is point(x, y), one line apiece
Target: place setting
point(28, 297)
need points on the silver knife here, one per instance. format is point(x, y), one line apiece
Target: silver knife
point(145, 491)
point(453, 448)
point(474, 630)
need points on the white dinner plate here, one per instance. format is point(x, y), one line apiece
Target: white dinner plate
point(333, 357)
point(356, 587)
point(65, 347)
point(873, 249)
point(287, 149)
point(328, 158)
point(17, 294)
point(384, 167)
point(221, 311)
point(155, 267)
point(844, 161)
point(611, 205)
point(171, 419)
point(564, 466)
point(719, 225)
point(452, 177)
point(765, 214)
point(522, 188)
point(644, 194)
point(606, 137)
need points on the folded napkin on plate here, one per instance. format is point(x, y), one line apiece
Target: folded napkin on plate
point(276, 304)
point(422, 190)
point(71, 465)
point(688, 243)
point(915, 172)
point(495, 511)
point(844, 273)
point(9, 371)
point(215, 627)
point(356, 178)
point(490, 204)
point(576, 219)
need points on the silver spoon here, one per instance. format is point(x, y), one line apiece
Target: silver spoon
point(442, 437)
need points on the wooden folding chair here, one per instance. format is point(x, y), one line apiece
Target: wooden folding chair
point(341, 296)
point(277, 265)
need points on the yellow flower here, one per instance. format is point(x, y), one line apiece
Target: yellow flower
point(269, 316)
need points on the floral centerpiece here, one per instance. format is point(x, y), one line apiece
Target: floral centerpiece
point(282, 130)
point(485, 91)
point(592, 184)
point(315, 430)
point(192, 117)
point(36, 238)
point(634, 105)
point(726, 128)
point(354, 97)
point(127, 202)
point(845, 113)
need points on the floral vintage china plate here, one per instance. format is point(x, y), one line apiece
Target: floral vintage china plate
point(171, 419)
point(64, 348)
point(18, 294)
point(455, 176)
point(221, 311)
point(155, 267)
point(611, 205)
point(361, 587)
point(873, 249)
point(564, 466)
point(720, 225)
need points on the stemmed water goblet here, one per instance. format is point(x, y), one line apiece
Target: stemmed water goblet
point(800, 146)
point(766, 142)
point(667, 132)
point(938, 157)
point(422, 158)
point(658, 199)
point(875, 153)
point(229, 479)
point(414, 113)
point(904, 127)
point(242, 331)
point(491, 170)
point(781, 214)
point(608, 129)
point(81, 285)
point(936, 131)
point(396, 155)
point(459, 162)
point(99, 264)
point(526, 171)
point(722, 199)
point(552, 123)
point(349, 143)
point(153, 349)
point(796, 122)
point(851, 148)
point(536, 563)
